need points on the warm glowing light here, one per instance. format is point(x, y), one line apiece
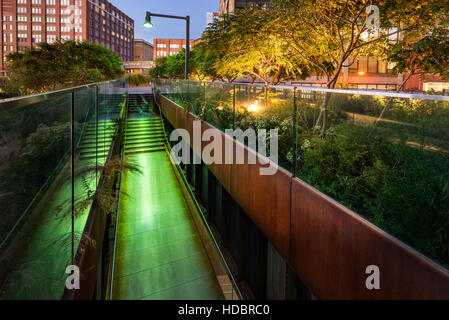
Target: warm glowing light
point(254, 107)
point(361, 73)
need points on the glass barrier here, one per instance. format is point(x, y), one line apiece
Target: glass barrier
point(383, 155)
point(39, 183)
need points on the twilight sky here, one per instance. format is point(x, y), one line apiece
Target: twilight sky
point(167, 28)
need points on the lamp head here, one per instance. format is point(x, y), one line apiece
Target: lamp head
point(148, 23)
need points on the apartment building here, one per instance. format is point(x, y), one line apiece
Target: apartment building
point(211, 16)
point(229, 6)
point(26, 23)
point(169, 47)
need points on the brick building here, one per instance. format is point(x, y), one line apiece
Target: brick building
point(143, 58)
point(168, 47)
point(26, 23)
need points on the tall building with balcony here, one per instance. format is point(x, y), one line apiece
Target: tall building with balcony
point(26, 23)
point(169, 47)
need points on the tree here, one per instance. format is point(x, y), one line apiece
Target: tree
point(327, 33)
point(244, 44)
point(62, 64)
point(159, 71)
point(427, 56)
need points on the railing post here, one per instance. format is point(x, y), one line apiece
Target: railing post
point(72, 168)
point(294, 133)
point(96, 135)
point(233, 109)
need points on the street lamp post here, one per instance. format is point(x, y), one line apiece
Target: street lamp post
point(149, 24)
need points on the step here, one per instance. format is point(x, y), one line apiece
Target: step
point(93, 156)
point(143, 134)
point(93, 149)
point(144, 124)
point(149, 150)
point(145, 138)
point(144, 129)
point(145, 145)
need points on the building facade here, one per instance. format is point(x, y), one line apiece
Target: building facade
point(143, 50)
point(169, 47)
point(229, 6)
point(210, 17)
point(26, 23)
point(143, 58)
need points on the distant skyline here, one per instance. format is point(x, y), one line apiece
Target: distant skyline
point(167, 28)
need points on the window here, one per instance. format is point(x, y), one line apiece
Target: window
point(22, 10)
point(369, 65)
point(36, 19)
point(37, 38)
point(51, 28)
point(21, 1)
point(51, 38)
point(51, 11)
point(36, 1)
point(161, 45)
point(51, 20)
point(65, 2)
point(51, 2)
point(36, 10)
point(22, 18)
point(37, 27)
point(174, 46)
point(22, 27)
point(22, 37)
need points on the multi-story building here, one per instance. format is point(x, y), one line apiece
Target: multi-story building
point(210, 17)
point(26, 23)
point(169, 47)
point(229, 6)
point(143, 58)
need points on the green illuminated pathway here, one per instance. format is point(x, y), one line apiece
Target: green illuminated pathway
point(159, 254)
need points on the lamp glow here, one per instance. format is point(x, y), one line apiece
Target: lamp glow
point(254, 107)
point(361, 73)
point(148, 23)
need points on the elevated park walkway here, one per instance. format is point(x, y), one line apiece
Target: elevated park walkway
point(89, 181)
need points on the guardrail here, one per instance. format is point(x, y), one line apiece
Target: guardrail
point(327, 244)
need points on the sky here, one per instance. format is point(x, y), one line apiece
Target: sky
point(163, 27)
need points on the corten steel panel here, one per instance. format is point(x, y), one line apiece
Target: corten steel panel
point(332, 247)
point(221, 171)
point(169, 110)
point(266, 199)
point(328, 245)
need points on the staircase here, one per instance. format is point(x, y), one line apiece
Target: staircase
point(109, 110)
point(106, 131)
point(144, 129)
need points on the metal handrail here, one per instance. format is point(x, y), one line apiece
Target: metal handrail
point(18, 102)
point(345, 91)
point(110, 279)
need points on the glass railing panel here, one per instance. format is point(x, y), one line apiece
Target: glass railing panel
point(269, 109)
point(385, 158)
point(218, 107)
point(35, 191)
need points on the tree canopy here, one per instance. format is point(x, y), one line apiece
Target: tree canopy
point(62, 64)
